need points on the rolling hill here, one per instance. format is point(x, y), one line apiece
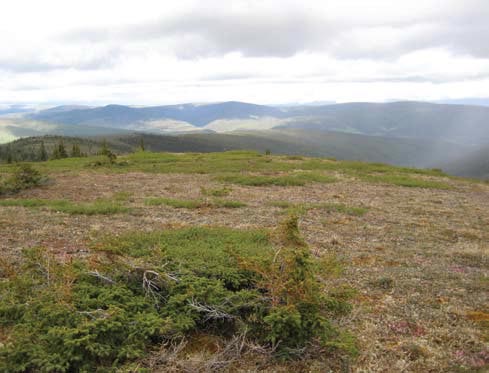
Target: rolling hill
point(457, 123)
point(402, 152)
point(401, 133)
point(125, 116)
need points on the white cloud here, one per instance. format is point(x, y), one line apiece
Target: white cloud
point(153, 52)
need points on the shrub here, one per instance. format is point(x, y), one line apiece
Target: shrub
point(98, 207)
point(294, 179)
point(176, 203)
point(142, 289)
point(192, 204)
point(228, 204)
point(301, 208)
point(216, 192)
point(406, 181)
point(297, 303)
point(289, 231)
point(385, 283)
point(23, 177)
point(61, 319)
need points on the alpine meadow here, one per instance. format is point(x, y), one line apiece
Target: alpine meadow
point(244, 186)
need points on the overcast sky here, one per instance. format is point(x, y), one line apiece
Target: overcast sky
point(277, 51)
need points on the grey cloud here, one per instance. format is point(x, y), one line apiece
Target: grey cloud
point(27, 65)
point(37, 62)
point(202, 34)
point(256, 35)
point(281, 34)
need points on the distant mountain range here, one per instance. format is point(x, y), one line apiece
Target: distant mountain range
point(466, 101)
point(407, 133)
point(130, 117)
point(458, 123)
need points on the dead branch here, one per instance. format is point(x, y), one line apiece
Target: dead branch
point(98, 275)
point(95, 314)
point(211, 312)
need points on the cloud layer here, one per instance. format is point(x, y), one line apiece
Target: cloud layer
point(150, 52)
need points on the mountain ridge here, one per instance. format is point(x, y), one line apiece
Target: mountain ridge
point(458, 123)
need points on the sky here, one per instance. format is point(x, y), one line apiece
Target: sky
point(149, 52)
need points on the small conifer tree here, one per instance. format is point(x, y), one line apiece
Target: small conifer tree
point(104, 148)
point(43, 154)
point(75, 151)
point(55, 154)
point(62, 150)
point(10, 157)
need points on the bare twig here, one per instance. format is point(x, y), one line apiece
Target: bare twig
point(276, 255)
point(211, 312)
point(101, 277)
point(168, 355)
point(150, 285)
point(96, 314)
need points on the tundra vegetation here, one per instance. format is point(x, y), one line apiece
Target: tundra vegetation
point(240, 261)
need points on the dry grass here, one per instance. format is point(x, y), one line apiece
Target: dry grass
point(418, 259)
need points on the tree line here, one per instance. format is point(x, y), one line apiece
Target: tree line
point(38, 153)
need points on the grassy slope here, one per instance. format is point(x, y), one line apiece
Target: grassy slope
point(407, 152)
point(238, 162)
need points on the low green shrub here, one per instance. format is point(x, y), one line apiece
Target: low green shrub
point(59, 318)
point(23, 177)
point(177, 203)
point(98, 207)
point(142, 289)
point(228, 203)
point(281, 204)
point(29, 202)
point(216, 192)
point(344, 209)
point(262, 180)
point(193, 204)
point(294, 179)
point(406, 181)
point(301, 208)
point(385, 283)
point(289, 231)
